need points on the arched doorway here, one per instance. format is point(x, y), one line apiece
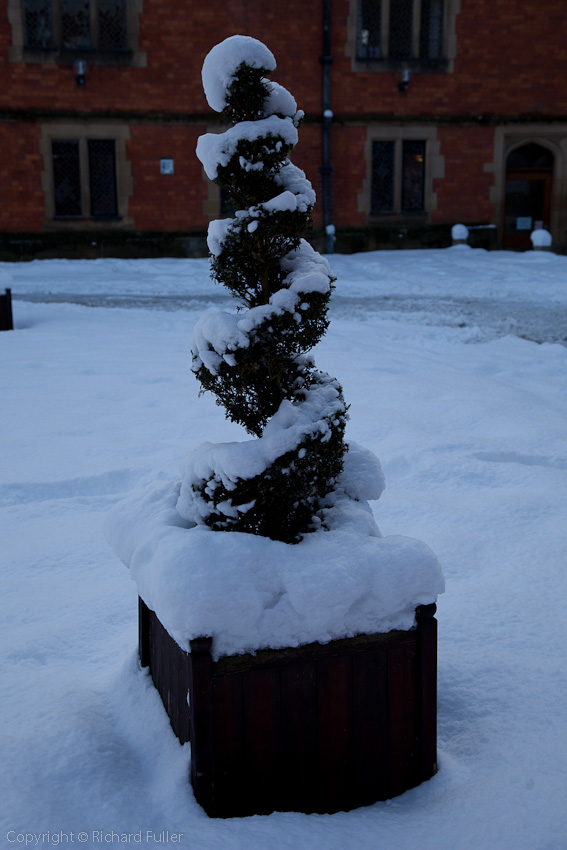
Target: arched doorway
point(529, 177)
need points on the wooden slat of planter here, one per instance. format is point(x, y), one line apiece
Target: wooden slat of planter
point(181, 710)
point(427, 691)
point(202, 753)
point(299, 751)
point(143, 633)
point(334, 727)
point(169, 668)
point(228, 730)
point(402, 729)
point(261, 723)
point(370, 725)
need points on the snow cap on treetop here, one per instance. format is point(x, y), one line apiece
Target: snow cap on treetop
point(222, 62)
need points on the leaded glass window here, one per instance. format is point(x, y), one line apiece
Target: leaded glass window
point(227, 205)
point(400, 41)
point(370, 29)
point(431, 31)
point(400, 30)
point(102, 178)
point(75, 25)
point(413, 174)
point(84, 178)
point(382, 177)
point(112, 25)
point(66, 178)
point(398, 176)
point(38, 25)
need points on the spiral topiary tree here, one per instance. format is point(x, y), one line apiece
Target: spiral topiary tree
point(256, 360)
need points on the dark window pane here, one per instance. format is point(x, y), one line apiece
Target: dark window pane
point(431, 35)
point(112, 25)
point(400, 40)
point(66, 178)
point(529, 157)
point(38, 24)
point(369, 45)
point(102, 178)
point(382, 192)
point(413, 174)
point(227, 205)
point(75, 24)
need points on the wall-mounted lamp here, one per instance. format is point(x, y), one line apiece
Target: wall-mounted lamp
point(80, 69)
point(403, 86)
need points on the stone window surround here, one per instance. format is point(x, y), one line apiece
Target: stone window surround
point(82, 131)
point(554, 138)
point(434, 169)
point(446, 65)
point(132, 57)
point(212, 203)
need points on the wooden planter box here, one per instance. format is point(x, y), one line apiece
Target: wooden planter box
point(320, 728)
point(6, 318)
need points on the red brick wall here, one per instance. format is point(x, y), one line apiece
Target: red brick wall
point(349, 172)
point(21, 196)
point(176, 41)
point(510, 60)
point(166, 201)
point(464, 193)
point(508, 63)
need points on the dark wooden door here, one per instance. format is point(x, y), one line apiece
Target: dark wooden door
point(527, 205)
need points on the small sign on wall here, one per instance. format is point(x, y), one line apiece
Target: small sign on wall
point(524, 223)
point(166, 166)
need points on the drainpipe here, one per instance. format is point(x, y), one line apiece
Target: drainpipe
point(326, 168)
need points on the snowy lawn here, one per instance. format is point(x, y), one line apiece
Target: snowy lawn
point(456, 377)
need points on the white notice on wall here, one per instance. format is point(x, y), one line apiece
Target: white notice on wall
point(524, 223)
point(166, 166)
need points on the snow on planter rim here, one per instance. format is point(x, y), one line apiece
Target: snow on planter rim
point(251, 593)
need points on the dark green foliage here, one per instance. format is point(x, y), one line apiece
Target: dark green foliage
point(286, 497)
point(266, 372)
point(254, 186)
point(249, 263)
point(246, 94)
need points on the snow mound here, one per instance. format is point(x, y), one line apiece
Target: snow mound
point(222, 62)
point(231, 463)
point(279, 101)
point(250, 592)
point(459, 233)
point(541, 239)
point(217, 335)
point(6, 281)
point(214, 149)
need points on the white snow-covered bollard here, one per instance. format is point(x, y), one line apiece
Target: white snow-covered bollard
point(541, 240)
point(459, 234)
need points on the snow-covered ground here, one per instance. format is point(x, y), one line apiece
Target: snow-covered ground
point(455, 368)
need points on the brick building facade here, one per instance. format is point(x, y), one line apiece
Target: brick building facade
point(419, 114)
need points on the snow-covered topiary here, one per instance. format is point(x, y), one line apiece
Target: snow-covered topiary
point(254, 590)
point(256, 360)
